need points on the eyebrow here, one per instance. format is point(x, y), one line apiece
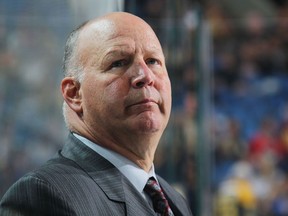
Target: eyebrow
point(118, 53)
point(110, 54)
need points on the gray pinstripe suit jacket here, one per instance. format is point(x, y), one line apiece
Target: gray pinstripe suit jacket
point(78, 181)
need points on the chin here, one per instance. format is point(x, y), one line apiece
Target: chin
point(146, 123)
point(149, 126)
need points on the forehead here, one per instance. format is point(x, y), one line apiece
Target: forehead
point(100, 29)
point(108, 34)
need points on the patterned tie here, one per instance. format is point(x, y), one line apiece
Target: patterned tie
point(160, 203)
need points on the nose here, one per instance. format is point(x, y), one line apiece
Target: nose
point(143, 76)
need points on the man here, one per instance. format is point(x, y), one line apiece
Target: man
point(117, 104)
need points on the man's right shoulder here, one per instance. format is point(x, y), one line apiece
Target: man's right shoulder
point(37, 192)
point(54, 168)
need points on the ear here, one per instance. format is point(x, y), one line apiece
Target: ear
point(71, 93)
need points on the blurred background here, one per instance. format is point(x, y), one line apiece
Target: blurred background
point(226, 146)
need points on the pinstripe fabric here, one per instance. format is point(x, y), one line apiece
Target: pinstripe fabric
point(80, 182)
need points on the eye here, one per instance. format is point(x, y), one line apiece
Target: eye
point(119, 63)
point(152, 61)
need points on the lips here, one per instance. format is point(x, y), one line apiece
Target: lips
point(145, 104)
point(145, 101)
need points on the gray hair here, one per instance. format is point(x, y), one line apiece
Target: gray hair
point(71, 66)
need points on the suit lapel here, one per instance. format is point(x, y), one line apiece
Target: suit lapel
point(116, 186)
point(98, 168)
point(135, 203)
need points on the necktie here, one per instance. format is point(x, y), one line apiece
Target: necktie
point(160, 203)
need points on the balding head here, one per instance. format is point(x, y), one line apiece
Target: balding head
point(117, 87)
point(102, 26)
point(110, 25)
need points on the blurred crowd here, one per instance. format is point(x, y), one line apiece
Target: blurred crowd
point(31, 126)
point(248, 121)
point(251, 112)
point(249, 116)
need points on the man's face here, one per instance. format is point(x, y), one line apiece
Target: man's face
point(126, 89)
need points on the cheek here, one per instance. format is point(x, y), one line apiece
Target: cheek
point(114, 94)
point(168, 101)
point(166, 91)
point(114, 89)
point(92, 98)
point(104, 89)
point(92, 93)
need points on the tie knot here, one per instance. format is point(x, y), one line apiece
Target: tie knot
point(160, 203)
point(152, 185)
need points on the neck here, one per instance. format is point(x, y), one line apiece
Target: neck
point(138, 149)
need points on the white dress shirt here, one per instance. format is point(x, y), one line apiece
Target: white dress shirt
point(137, 176)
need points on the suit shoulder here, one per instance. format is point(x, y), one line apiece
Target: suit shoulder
point(31, 195)
point(50, 175)
point(41, 190)
point(56, 166)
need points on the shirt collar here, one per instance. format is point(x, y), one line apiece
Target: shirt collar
point(137, 176)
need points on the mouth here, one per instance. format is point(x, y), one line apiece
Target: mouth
point(145, 105)
point(144, 102)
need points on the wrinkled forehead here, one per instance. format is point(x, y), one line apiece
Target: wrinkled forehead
point(101, 37)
